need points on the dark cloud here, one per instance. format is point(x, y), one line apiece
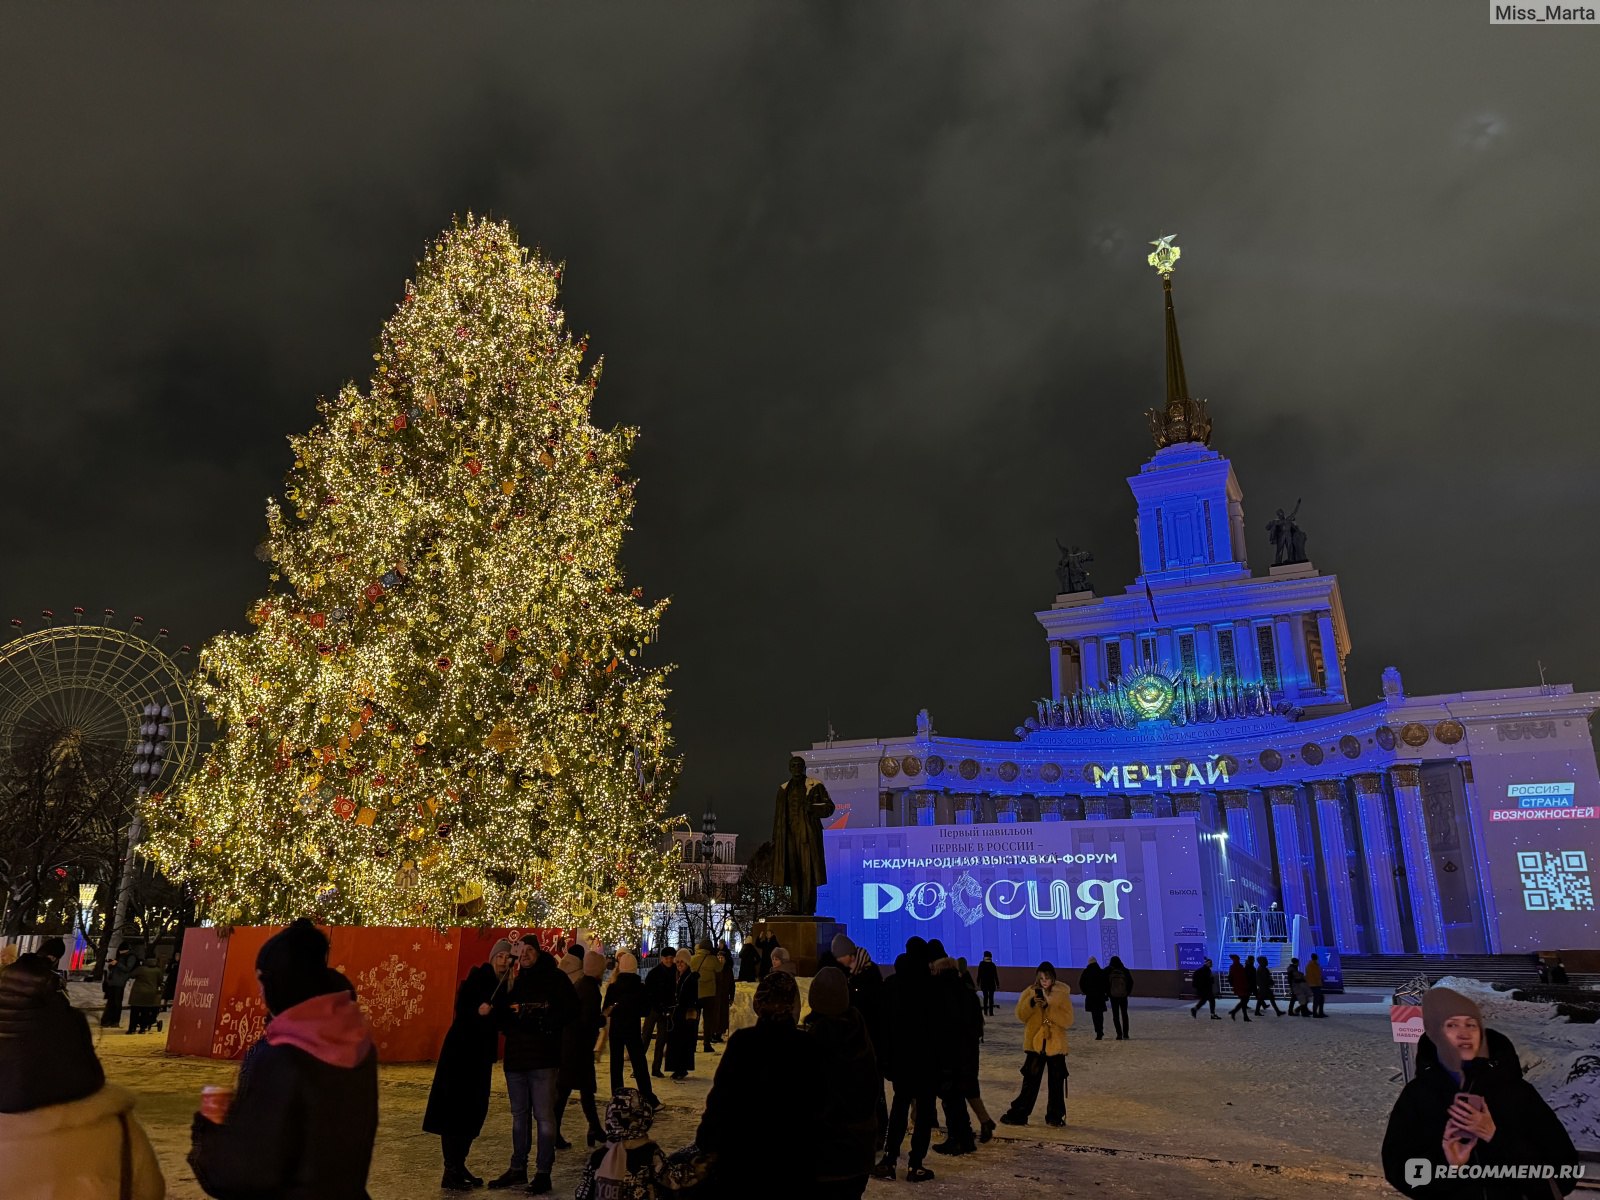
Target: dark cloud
point(871, 280)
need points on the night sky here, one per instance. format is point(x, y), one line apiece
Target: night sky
point(871, 279)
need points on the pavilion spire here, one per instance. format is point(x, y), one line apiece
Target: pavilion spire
point(1182, 418)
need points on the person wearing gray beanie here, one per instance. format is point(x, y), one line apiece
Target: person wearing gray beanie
point(851, 1089)
point(1468, 1104)
point(458, 1101)
point(841, 947)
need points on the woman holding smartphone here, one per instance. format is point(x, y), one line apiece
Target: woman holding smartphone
point(1470, 1104)
point(1045, 1009)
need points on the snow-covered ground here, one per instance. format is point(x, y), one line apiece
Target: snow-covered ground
point(1282, 1107)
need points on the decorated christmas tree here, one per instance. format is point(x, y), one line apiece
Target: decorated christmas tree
point(442, 713)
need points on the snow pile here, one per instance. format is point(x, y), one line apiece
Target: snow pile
point(1561, 1059)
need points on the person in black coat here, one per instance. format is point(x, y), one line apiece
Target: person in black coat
point(866, 997)
point(988, 981)
point(1119, 986)
point(661, 997)
point(1092, 983)
point(909, 1061)
point(749, 963)
point(958, 1022)
point(305, 1113)
point(458, 1101)
point(1205, 990)
point(685, 1035)
point(534, 1013)
point(1468, 1104)
point(1264, 988)
point(577, 1052)
point(848, 1128)
point(115, 981)
point(625, 1008)
point(761, 1116)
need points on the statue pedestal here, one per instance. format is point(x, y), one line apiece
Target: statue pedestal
point(805, 938)
point(1299, 570)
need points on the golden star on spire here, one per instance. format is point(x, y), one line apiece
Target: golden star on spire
point(1165, 255)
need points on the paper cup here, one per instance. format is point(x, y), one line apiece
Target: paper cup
point(214, 1102)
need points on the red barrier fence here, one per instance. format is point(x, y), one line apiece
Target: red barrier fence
point(405, 979)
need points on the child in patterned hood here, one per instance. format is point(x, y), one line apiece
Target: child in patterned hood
point(627, 1166)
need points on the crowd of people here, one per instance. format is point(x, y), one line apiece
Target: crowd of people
point(797, 1106)
point(1252, 983)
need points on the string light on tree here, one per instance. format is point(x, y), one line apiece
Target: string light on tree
point(443, 710)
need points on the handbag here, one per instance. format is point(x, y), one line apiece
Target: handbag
point(685, 1175)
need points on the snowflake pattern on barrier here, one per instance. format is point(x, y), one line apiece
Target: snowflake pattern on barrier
point(391, 993)
point(1555, 880)
point(239, 1024)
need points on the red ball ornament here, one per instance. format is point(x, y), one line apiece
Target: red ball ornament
point(622, 891)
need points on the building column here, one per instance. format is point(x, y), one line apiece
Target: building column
point(1093, 673)
point(1094, 808)
point(926, 807)
point(1049, 809)
point(966, 810)
point(1377, 849)
point(1328, 795)
point(1141, 808)
point(1005, 809)
point(1246, 661)
point(1055, 669)
point(1289, 670)
point(1071, 808)
point(1165, 651)
point(1480, 857)
point(1427, 913)
point(1291, 859)
point(1330, 653)
point(1241, 824)
point(1205, 650)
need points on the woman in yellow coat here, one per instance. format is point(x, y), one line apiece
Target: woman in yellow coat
point(1046, 1011)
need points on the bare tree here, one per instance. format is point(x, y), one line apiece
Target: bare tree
point(755, 897)
point(64, 804)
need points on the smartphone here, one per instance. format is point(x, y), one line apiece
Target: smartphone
point(1474, 1101)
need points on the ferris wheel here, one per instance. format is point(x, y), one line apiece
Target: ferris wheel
point(98, 688)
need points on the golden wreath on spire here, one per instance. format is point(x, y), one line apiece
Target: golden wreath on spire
point(1165, 255)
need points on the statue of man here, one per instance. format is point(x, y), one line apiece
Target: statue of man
point(1070, 573)
point(1282, 529)
point(797, 817)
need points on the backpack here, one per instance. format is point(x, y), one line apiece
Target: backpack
point(1117, 986)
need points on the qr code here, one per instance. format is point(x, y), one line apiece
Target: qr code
point(1555, 880)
